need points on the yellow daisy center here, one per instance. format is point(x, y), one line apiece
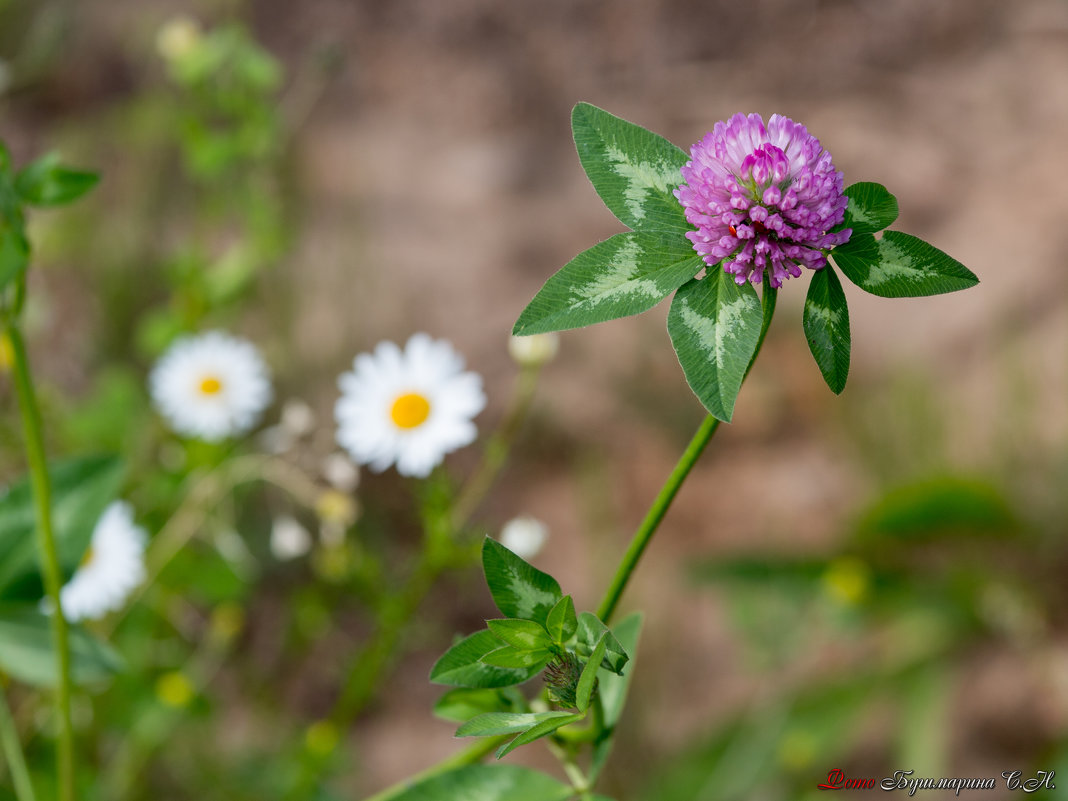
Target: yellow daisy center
point(210, 385)
point(88, 558)
point(410, 410)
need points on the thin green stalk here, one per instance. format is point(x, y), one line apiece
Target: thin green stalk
point(656, 513)
point(640, 541)
point(16, 760)
point(435, 556)
point(46, 547)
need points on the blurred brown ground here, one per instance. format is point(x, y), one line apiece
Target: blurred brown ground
point(442, 188)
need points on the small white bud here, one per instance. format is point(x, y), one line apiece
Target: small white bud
point(524, 536)
point(298, 418)
point(534, 350)
point(176, 37)
point(289, 539)
point(339, 470)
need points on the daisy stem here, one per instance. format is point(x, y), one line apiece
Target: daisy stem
point(46, 546)
point(16, 760)
point(644, 535)
point(440, 551)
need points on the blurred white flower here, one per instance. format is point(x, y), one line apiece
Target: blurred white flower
point(211, 386)
point(289, 539)
point(408, 407)
point(340, 472)
point(534, 350)
point(524, 536)
point(112, 568)
point(298, 418)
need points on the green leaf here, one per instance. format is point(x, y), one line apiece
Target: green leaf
point(511, 657)
point(562, 622)
point(937, 507)
point(462, 665)
point(714, 326)
point(487, 783)
point(900, 266)
point(542, 729)
point(826, 322)
point(81, 489)
point(26, 650)
point(613, 687)
point(626, 274)
point(590, 632)
point(519, 589)
point(635, 171)
point(493, 723)
point(46, 182)
point(871, 208)
point(521, 633)
point(462, 704)
point(588, 679)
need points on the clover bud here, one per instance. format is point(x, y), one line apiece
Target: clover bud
point(534, 350)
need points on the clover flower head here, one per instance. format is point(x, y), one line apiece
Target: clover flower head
point(408, 407)
point(762, 198)
point(211, 386)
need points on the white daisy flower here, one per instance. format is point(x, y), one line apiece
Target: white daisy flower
point(112, 568)
point(524, 536)
point(407, 407)
point(211, 386)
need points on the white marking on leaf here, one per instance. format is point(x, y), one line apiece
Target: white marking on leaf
point(895, 265)
point(858, 214)
point(617, 279)
point(730, 319)
point(641, 178)
point(830, 317)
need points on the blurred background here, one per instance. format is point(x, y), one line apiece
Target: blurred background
point(872, 582)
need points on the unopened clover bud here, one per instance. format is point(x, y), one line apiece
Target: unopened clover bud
point(562, 677)
point(534, 350)
point(177, 37)
point(289, 539)
point(524, 536)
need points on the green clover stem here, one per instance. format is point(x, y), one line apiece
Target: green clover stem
point(46, 546)
point(640, 541)
point(656, 513)
point(16, 761)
